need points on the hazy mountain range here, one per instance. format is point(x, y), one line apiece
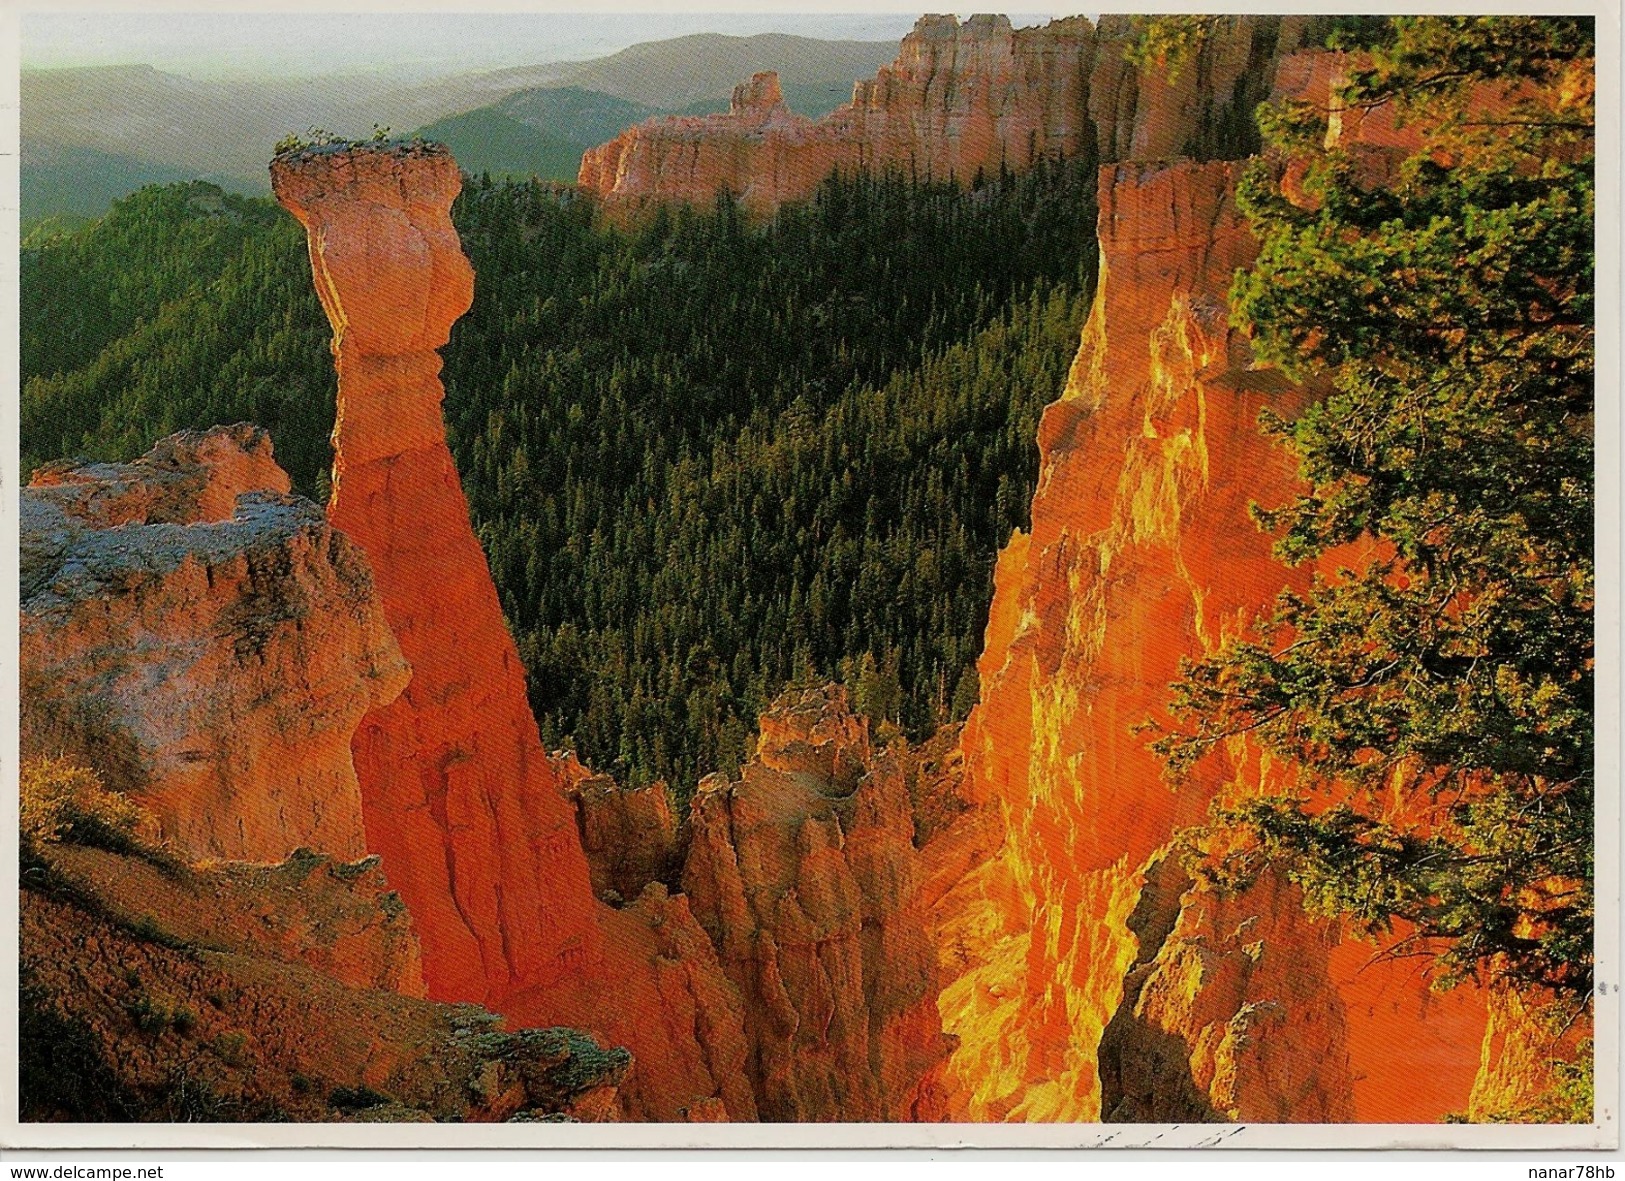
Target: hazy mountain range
point(91, 134)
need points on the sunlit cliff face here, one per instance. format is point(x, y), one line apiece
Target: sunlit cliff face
point(1142, 552)
point(960, 100)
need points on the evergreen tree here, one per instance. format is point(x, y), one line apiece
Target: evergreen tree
point(1438, 697)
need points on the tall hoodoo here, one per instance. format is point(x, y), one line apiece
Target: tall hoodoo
point(458, 794)
point(471, 816)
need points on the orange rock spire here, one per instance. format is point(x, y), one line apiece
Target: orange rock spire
point(1140, 552)
point(804, 873)
point(471, 816)
point(459, 797)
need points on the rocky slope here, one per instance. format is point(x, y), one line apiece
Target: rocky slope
point(200, 1000)
point(337, 918)
point(205, 639)
point(960, 100)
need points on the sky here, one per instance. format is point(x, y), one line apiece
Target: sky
point(234, 44)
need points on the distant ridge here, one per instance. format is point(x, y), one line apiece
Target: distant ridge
point(535, 132)
point(99, 132)
point(83, 182)
point(687, 70)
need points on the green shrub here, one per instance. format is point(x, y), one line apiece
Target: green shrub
point(148, 1015)
point(62, 801)
point(231, 1048)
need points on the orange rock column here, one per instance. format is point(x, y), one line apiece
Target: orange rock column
point(457, 794)
point(804, 873)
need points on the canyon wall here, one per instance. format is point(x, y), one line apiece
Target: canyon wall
point(1089, 977)
point(994, 927)
point(961, 100)
point(1141, 552)
point(207, 641)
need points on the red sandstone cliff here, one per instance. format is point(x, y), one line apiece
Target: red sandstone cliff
point(960, 99)
point(470, 814)
point(205, 639)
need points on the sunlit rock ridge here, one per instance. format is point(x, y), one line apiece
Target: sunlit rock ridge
point(962, 100)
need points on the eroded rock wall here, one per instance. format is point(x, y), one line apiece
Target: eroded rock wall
point(206, 641)
point(1140, 551)
point(1229, 1013)
point(628, 833)
point(339, 918)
